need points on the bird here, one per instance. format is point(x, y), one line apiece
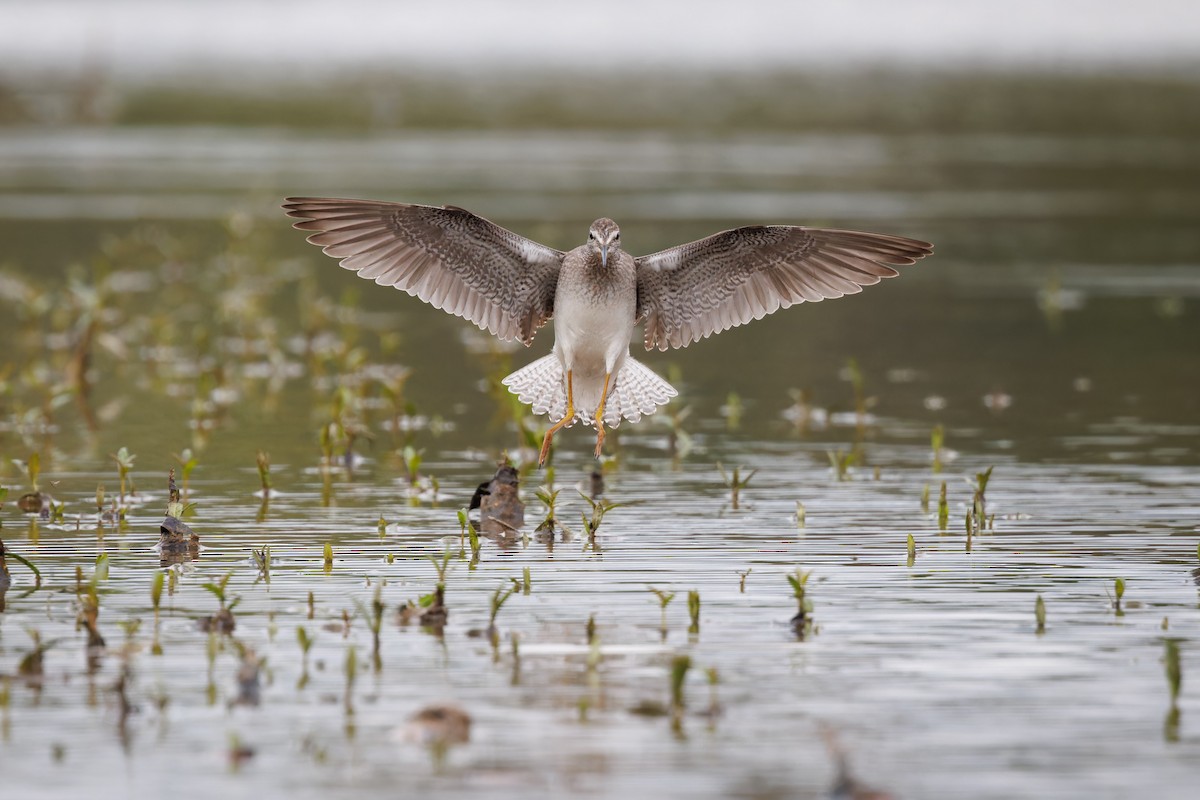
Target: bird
point(596, 293)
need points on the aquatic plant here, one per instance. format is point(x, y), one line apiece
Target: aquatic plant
point(680, 665)
point(263, 461)
point(526, 581)
point(1039, 613)
point(912, 549)
point(223, 621)
point(979, 502)
point(328, 556)
point(306, 642)
point(664, 599)
point(187, 463)
point(549, 499)
point(801, 515)
point(943, 513)
point(694, 611)
point(124, 460)
point(1174, 672)
point(497, 601)
point(350, 668)
point(925, 499)
point(841, 461)
point(802, 622)
point(156, 590)
point(262, 560)
point(600, 508)
point(374, 617)
point(735, 483)
point(742, 580)
point(1118, 593)
point(412, 464)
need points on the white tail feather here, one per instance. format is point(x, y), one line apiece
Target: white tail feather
point(637, 392)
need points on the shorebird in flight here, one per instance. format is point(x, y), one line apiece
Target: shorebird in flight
point(510, 286)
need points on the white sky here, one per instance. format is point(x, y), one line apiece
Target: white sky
point(147, 38)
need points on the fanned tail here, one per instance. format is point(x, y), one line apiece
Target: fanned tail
point(542, 385)
point(636, 392)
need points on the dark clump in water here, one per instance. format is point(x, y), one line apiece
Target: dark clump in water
point(501, 511)
point(177, 541)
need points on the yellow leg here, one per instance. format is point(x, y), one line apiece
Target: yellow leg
point(562, 423)
point(600, 415)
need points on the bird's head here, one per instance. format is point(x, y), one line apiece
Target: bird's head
point(604, 238)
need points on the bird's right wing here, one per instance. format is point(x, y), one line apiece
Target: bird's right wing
point(446, 256)
point(692, 291)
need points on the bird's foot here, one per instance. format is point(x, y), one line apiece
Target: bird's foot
point(599, 440)
point(545, 453)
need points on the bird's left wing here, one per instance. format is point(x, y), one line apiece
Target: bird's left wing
point(692, 291)
point(448, 257)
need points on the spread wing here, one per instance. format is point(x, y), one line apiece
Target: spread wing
point(692, 291)
point(448, 257)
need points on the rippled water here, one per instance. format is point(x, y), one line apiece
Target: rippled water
point(1053, 335)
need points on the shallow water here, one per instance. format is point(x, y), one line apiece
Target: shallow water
point(1053, 335)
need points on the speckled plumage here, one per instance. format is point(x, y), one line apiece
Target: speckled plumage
point(596, 293)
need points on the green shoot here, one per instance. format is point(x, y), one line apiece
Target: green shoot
point(802, 622)
point(1039, 613)
point(694, 611)
point(679, 670)
point(599, 509)
point(262, 559)
point(735, 483)
point(187, 462)
point(33, 468)
point(842, 460)
point(218, 588)
point(499, 598)
point(912, 550)
point(1173, 667)
point(263, 461)
point(742, 580)
point(943, 509)
point(664, 599)
point(124, 461)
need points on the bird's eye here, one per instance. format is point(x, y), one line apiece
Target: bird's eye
point(592, 235)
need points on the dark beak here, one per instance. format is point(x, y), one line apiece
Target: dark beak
point(604, 255)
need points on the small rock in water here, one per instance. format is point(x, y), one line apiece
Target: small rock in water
point(177, 541)
point(35, 503)
point(439, 725)
point(501, 511)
